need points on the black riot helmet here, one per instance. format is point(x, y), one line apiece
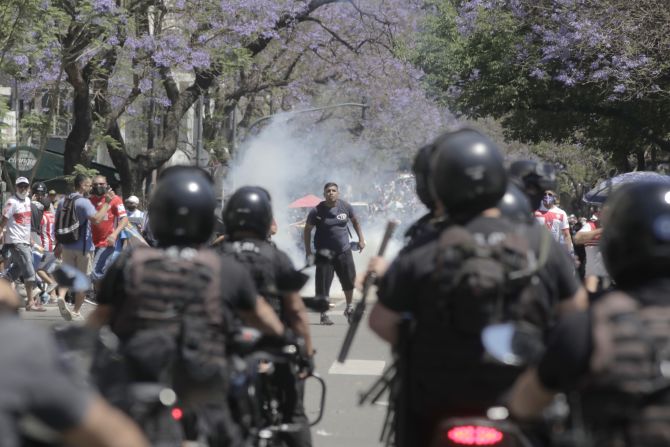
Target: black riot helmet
point(533, 178)
point(515, 206)
point(636, 233)
point(181, 211)
point(39, 188)
point(421, 170)
point(249, 209)
point(467, 173)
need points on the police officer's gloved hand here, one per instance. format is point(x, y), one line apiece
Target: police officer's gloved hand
point(306, 366)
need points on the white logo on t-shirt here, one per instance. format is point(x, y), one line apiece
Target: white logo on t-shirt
point(342, 216)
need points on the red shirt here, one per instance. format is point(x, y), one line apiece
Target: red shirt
point(115, 212)
point(47, 231)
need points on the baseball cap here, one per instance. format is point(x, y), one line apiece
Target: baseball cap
point(22, 180)
point(52, 193)
point(133, 199)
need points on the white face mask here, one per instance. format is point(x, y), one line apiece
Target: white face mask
point(21, 195)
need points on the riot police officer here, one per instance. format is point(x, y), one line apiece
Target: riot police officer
point(171, 308)
point(447, 376)
point(425, 228)
point(616, 354)
point(247, 218)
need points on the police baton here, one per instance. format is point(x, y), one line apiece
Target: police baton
point(359, 310)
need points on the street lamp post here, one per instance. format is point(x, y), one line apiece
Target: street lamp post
point(314, 109)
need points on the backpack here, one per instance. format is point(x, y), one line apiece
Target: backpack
point(484, 279)
point(258, 258)
point(67, 227)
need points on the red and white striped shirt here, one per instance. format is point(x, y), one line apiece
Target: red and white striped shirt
point(47, 231)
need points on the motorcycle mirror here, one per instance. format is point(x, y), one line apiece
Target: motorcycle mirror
point(72, 278)
point(513, 344)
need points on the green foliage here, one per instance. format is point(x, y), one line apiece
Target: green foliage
point(501, 64)
point(80, 169)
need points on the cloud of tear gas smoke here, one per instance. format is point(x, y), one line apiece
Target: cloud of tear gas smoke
point(291, 163)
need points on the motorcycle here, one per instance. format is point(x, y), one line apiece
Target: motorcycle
point(255, 395)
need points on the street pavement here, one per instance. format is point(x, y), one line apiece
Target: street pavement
point(345, 423)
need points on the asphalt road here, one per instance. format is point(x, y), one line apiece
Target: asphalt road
point(345, 423)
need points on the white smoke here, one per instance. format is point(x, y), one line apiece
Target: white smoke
point(292, 163)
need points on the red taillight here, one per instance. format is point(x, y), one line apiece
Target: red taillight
point(474, 435)
point(177, 414)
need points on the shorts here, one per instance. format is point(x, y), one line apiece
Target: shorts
point(48, 263)
point(342, 265)
point(104, 257)
point(80, 261)
point(594, 262)
point(22, 259)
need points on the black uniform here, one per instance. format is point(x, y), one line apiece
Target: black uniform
point(184, 297)
point(615, 356)
point(274, 275)
point(447, 373)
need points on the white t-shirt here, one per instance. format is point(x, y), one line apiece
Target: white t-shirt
point(555, 219)
point(17, 213)
point(136, 218)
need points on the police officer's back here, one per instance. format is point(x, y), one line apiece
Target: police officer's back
point(447, 373)
point(247, 217)
point(172, 306)
point(615, 356)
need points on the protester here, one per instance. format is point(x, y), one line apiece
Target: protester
point(78, 254)
point(17, 242)
point(331, 218)
point(595, 275)
point(106, 232)
point(135, 215)
point(53, 198)
point(555, 219)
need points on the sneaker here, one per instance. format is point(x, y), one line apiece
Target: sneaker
point(325, 320)
point(76, 316)
point(348, 312)
point(65, 312)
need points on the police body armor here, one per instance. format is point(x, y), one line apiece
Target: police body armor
point(478, 280)
point(258, 257)
point(626, 398)
point(172, 323)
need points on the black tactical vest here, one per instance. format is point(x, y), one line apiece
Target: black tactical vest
point(479, 279)
point(175, 294)
point(626, 398)
point(259, 258)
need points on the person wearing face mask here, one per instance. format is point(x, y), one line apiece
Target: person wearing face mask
point(555, 219)
point(106, 232)
point(135, 215)
point(16, 218)
point(78, 253)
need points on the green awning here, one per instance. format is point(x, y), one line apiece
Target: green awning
point(50, 167)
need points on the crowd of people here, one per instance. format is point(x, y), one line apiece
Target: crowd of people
point(482, 254)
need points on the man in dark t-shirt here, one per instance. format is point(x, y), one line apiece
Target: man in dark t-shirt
point(330, 218)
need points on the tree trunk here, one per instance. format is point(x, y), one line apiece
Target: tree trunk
point(82, 119)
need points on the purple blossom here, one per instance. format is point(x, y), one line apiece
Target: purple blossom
point(104, 6)
point(145, 85)
point(21, 60)
point(619, 88)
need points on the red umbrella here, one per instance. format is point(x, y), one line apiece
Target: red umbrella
point(309, 201)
